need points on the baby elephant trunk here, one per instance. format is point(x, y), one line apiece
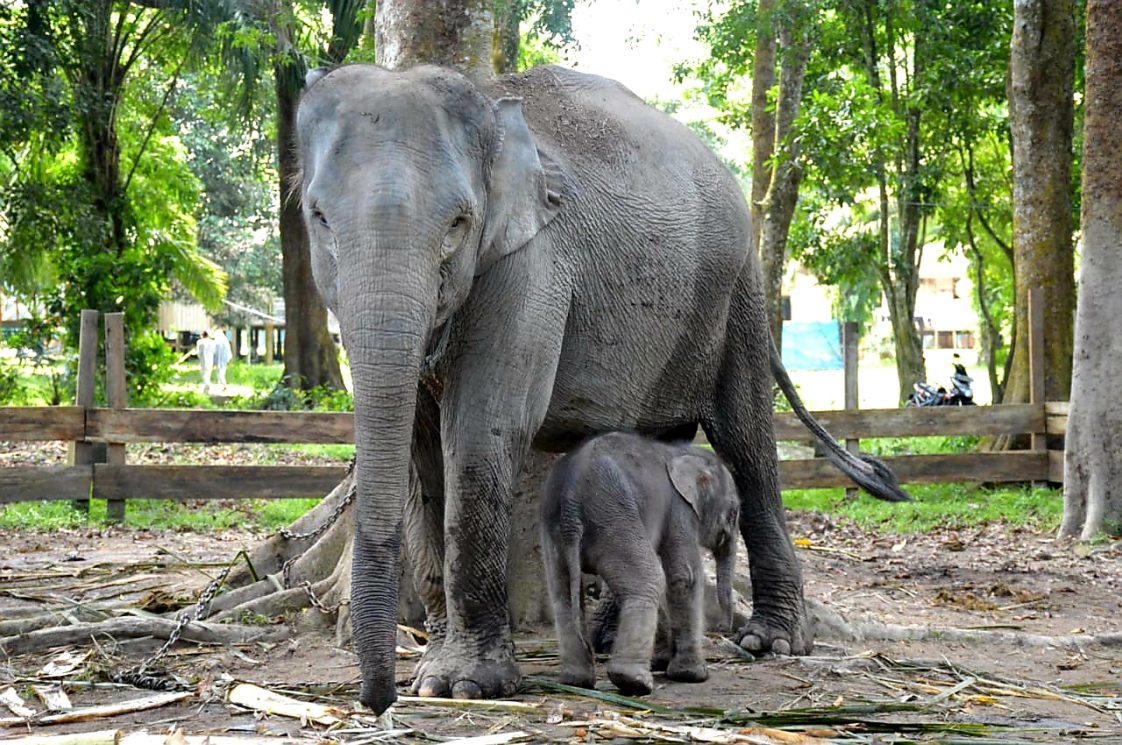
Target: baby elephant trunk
point(725, 557)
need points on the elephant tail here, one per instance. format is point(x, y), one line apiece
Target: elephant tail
point(871, 474)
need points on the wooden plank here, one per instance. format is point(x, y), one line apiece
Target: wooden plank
point(924, 469)
point(214, 482)
point(187, 425)
point(920, 422)
point(28, 483)
point(1055, 417)
point(1056, 466)
point(116, 393)
point(30, 423)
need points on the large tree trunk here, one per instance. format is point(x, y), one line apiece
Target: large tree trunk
point(783, 190)
point(1041, 107)
point(452, 33)
point(310, 356)
point(507, 39)
point(1092, 467)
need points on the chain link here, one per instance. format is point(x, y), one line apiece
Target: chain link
point(140, 676)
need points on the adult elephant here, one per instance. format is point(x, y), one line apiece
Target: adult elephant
point(554, 258)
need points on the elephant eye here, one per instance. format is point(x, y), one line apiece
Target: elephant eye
point(319, 217)
point(459, 222)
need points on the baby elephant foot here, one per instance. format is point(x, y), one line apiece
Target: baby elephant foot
point(632, 679)
point(687, 670)
point(580, 677)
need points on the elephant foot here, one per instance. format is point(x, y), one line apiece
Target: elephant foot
point(687, 670)
point(631, 679)
point(579, 677)
point(779, 632)
point(465, 671)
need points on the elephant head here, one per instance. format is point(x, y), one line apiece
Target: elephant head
point(706, 484)
point(412, 184)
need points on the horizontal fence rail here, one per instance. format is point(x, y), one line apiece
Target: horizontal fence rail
point(118, 482)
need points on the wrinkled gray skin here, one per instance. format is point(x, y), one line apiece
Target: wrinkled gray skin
point(635, 511)
point(570, 263)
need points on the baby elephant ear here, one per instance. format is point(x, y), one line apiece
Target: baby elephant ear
point(688, 474)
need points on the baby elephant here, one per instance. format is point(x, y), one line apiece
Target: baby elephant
point(635, 511)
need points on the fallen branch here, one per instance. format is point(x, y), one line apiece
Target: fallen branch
point(134, 628)
point(262, 699)
point(100, 712)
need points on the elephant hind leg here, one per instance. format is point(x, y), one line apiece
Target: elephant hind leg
point(741, 431)
point(578, 665)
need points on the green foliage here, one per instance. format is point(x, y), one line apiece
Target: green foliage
point(939, 506)
point(148, 352)
point(87, 136)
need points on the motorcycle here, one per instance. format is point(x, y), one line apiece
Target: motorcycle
point(960, 394)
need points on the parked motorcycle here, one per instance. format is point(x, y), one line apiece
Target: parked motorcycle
point(960, 394)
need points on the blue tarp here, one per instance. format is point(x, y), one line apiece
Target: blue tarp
point(812, 345)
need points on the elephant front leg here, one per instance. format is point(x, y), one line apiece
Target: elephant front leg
point(685, 597)
point(476, 659)
point(424, 525)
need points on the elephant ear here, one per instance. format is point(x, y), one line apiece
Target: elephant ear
point(689, 475)
point(314, 75)
point(525, 187)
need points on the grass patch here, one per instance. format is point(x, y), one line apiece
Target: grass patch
point(939, 506)
point(338, 452)
point(256, 376)
point(159, 514)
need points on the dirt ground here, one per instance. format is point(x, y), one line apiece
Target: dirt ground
point(990, 581)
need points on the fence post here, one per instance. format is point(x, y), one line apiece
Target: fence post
point(81, 451)
point(117, 395)
point(849, 345)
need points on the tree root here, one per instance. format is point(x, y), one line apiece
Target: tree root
point(134, 628)
point(829, 624)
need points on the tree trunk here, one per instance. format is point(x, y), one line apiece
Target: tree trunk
point(1042, 73)
point(310, 356)
point(507, 39)
point(1092, 467)
point(454, 33)
point(763, 120)
point(783, 189)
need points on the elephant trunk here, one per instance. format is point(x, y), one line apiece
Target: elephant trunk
point(726, 566)
point(388, 309)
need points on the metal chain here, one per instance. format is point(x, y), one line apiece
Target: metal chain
point(286, 568)
point(322, 528)
point(139, 675)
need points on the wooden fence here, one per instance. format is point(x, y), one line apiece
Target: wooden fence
point(85, 425)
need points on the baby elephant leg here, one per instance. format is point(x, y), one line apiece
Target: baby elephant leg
point(578, 666)
point(637, 582)
point(685, 599)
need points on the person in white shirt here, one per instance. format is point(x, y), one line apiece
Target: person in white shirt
point(222, 355)
point(205, 348)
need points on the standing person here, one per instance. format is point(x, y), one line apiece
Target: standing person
point(205, 348)
point(221, 355)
